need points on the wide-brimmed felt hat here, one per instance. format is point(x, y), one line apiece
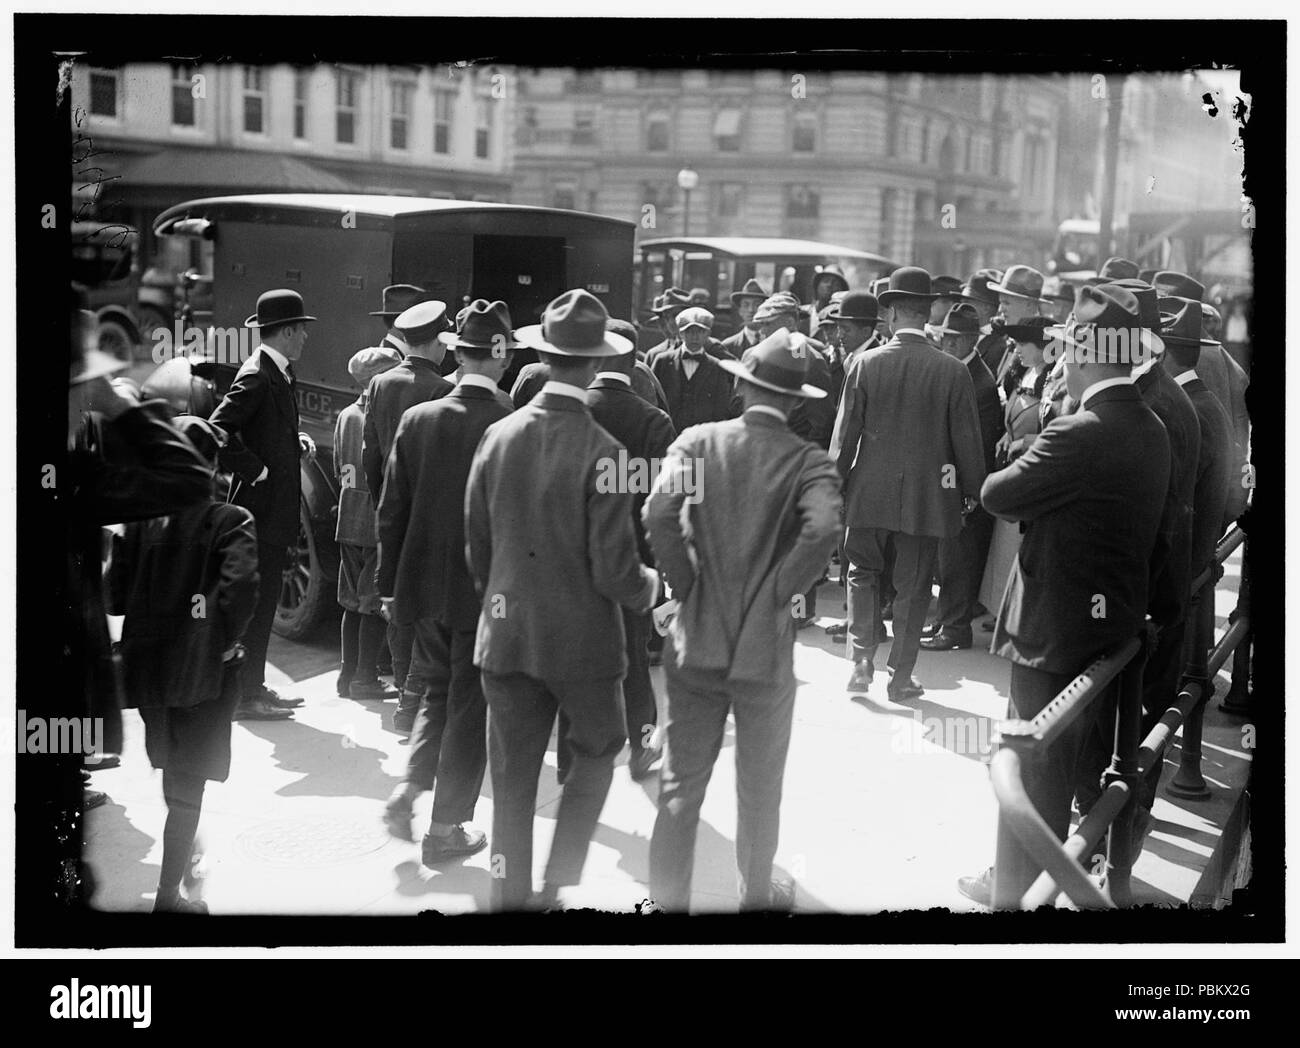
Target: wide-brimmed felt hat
point(281, 306)
point(856, 305)
point(1179, 285)
point(779, 305)
point(672, 299)
point(961, 320)
point(398, 298)
point(423, 322)
point(1020, 282)
point(1107, 307)
point(1149, 275)
point(365, 364)
point(907, 282)
point(1186, 326)
point(752, 289)
point(1117, 268)
point(779, 363)
point(573, 325)
point(946, 287)
point(1211, 319)
point(834, 272)
point(1057, 290)
point(481, 325)
point(1031, 329)
point(977, 287)
point(1148, 310)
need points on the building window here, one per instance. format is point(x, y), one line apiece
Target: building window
point(805, 132)
point(656, 131)
point(728, 197)
point(399, 118)
point(803, 201)
point(732, 78)
point(584, 127)
point(662, 196)
point(254, 101)
point(103, 92)
point(664, 79)
point(183, 114)
point(585, 81)
point(346, 87)
point(482, 127)
point(444, 103)
point(888, 214)
point(565, 195)
point(726, 131)
point(892, 132)
point(300, 104)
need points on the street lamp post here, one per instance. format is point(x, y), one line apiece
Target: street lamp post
point(686, 181)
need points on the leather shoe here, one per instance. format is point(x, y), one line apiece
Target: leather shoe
point(179, 904)
point(457, 843)
point(404, 719)
point(909, 689)
point(372, 690)
point(782, 896)
point(343, 686)
point(863, 671)
point(931, 628)
point(945, 640)
point(639, 766)
point(257, 707)
point(979, 888)
point(280, 702)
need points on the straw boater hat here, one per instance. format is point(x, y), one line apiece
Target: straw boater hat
point(485, 325)
point(281, 306)
point(774, 364)
point(573, 325)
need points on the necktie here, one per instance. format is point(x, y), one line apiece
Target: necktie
point(288, 373)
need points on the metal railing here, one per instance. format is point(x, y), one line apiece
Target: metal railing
point(1032, 867)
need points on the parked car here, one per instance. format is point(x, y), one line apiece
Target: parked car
point(340, 251)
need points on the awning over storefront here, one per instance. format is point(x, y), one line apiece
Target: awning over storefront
point(229, 171)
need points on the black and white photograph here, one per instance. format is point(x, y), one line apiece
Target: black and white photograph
point(651, 479)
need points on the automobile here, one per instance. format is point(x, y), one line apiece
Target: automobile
point(721, 265)
point(339, 251)
point(104, 263)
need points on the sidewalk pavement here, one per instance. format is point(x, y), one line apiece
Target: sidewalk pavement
point(884, 806)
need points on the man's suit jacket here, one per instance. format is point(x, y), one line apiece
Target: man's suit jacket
point(260, 416)
point(762, 523)
point(534, 376)
point(1214, 476)
point(552, 555)
point(644, 430)
point(991, 349)
point(1171, 564)
point(811, 419)
point(414, 381)
point(421, 519)
point(907, 439)
point(739, 342)
point(1092, 510)
point(705, 397)
point(989, 406)
point(1227, 380)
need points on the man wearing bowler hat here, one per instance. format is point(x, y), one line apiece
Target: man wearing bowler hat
point(907, 443)
point(961, 558)
point(423, 580)
point(855, 317)
point(738, 557)
point(264, 452)
point(397, 299)
point(745, 302)
point(415, 380)
point(552, 553)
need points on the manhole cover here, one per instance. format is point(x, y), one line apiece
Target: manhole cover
point(321, 840)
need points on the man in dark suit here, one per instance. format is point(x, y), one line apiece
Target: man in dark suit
point(552, 553)
point(745, 303)
point(666, 307)
point(855, 317)
point(646, 432)
point(1092, 510)
point(695, 386)
point(812, 418)
point(738, 556)
point(532, 377)
point(265, 449)
point(907, 443)
point(416, 380)
point(426, 586)
point(977, 292)
point(961, 558)
point(397, 299)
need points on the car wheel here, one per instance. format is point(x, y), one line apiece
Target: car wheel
point(305, 591)
point(150, 321)
point(116, 341)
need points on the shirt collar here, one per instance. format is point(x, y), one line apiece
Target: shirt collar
point(1106, 383)
point(1185, 377)
point(474, 379)
point(767, 409)
point(986, 329)
point(1142, 369)
point(911, 331)
point(281, 361)
point(565, 390)
point(617, 376)
point(969, 356)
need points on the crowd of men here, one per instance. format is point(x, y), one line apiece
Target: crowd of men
point(514, 560)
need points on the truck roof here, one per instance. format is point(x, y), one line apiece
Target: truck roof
point(766, 247)
point(373, 206)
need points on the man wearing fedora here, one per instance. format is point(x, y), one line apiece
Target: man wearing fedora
point(532, 377)
point(423, 580)
point(745, 302)
point(907, 444)
point(962, 557)
point(976, 292)
point(695, 386)
point(397, 299)
point(260, 415)
point(665, 307)
point(646, 432)
point(1020, 296)
point(553, 556)
point(416, 380)
point(1091, 509)
point(737, 558)
point(811, 418)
